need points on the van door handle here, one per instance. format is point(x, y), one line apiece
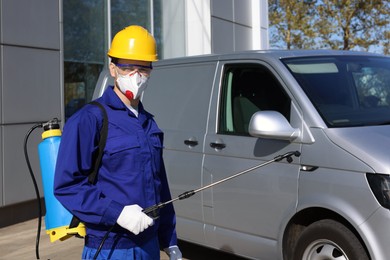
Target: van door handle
point(191, 142)
point(218, 146)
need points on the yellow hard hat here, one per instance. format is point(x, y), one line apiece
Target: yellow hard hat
point(133, 43)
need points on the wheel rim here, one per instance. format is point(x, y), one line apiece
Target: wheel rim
point(324, 250)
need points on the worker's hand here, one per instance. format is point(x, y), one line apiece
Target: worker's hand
point(173, 252)
point(133, 219)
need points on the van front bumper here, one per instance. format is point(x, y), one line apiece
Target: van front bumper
point(375, 233)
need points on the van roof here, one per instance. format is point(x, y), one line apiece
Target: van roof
point(264, 54)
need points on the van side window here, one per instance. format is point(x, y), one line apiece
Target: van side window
point(246, 89)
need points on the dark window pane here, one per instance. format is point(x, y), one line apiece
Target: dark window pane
point(84, 50)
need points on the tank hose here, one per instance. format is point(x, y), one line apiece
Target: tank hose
point(35, 187)
point(39, 197)
point(102, 243)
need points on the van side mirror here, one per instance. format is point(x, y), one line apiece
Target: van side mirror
point(272, 125)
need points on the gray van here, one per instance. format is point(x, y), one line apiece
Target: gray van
point(222, 114)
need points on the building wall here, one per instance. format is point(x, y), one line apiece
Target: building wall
point(195, 27)
point(31, 90)
point(52, 52)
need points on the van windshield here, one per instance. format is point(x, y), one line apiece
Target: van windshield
point(346, 90)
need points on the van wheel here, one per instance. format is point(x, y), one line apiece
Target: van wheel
point(329, 239)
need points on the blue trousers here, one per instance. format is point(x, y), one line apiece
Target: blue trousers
point(148, 251)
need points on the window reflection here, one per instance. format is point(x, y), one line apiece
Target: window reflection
point(137, 12)
point(84, 50)
point(347, 91)
point(86, 41)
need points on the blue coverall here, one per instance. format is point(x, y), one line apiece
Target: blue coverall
point(132, 172)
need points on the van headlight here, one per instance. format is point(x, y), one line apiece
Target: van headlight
point(380, 186)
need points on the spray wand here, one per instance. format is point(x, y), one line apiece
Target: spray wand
point(153, 210)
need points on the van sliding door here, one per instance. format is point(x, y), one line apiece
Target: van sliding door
point(178, 95)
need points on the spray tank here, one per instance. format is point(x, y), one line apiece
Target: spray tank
point(57, 218)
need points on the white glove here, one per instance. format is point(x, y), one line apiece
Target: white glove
point(173, 252)
point(133, 219)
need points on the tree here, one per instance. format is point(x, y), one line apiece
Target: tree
point(335, 24)
point(291, 19)
point(349, 24)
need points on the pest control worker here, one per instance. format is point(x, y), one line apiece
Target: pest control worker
point(131, 175)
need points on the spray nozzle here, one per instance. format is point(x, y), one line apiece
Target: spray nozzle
point(51, 124)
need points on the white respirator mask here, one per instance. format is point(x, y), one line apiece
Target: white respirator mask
point(132, 85)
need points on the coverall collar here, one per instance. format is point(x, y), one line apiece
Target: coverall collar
point(114, 102)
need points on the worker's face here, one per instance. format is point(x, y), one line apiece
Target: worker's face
point(131, 77)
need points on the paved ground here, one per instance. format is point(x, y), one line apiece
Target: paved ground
point(17, 242)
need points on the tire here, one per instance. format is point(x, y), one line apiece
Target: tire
point(329, 240)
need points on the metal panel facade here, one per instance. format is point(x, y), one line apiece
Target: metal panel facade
point(31, 85)
point(31, 88)
point(31, 23)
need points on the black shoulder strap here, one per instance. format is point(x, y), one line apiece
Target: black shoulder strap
point(102, 144)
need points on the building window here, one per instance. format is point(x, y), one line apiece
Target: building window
point(84, 50)
point(138, 12)
point(86, 41)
